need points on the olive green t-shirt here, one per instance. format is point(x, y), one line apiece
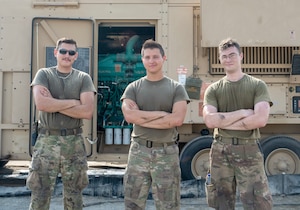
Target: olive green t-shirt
point(155, 96)
point(229, 96)
point(68, 88)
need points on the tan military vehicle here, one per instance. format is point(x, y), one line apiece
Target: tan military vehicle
point(110, 34)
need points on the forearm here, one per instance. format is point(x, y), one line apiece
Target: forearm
point(242, 124)
point(140, 117)
point(249, 123)
point(170, 120)
point(134, 115)
point(166, 122)
point(84, 109)
point(46, 103)
point(79, 112)
point(56, 105)
point(224, 119)
point(257, 119)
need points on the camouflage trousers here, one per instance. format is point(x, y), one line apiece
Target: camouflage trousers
point(156, 167)
point(241, 167)
point(53, 155)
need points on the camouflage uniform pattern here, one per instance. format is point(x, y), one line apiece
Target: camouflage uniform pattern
point(156, 167)
point(238, 166)
point(53, 155)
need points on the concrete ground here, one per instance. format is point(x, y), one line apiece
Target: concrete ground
point(100, 203)
point(105, 191)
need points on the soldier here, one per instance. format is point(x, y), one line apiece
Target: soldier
point(236, 107)
point(156, 105)
point(64, 96)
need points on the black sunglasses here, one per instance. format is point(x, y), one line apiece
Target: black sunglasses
point(64, 51)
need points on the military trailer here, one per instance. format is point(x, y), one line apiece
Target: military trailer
point(110, 35)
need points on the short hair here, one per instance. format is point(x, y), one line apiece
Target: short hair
point(227, 43)
point(151, 44)
point(67, 41)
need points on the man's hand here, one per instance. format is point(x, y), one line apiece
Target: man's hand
point(132, 105)
point(45, 92)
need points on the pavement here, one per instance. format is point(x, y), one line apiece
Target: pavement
point(291, 202)
point(105, 190)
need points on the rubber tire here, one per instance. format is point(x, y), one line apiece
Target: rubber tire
point(189, 151)
point(275, 142)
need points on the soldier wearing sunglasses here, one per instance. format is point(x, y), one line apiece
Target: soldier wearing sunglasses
point(64, 96)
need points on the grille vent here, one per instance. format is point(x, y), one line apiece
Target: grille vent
point(259, 60)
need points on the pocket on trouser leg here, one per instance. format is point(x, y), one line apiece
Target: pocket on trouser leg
point(83, 179)
point(211, 195)
point(33, 181)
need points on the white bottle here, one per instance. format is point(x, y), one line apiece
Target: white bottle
point(208, 179)
point(182, 71)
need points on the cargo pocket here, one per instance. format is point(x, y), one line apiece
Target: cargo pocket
point(83, 179)
point(33, 181)
point(211, 195)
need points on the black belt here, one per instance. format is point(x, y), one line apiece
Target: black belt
point(60, 132)
point(151, 144)
point(235, 141)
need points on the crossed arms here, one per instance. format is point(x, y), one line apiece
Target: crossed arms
point(81, 109)
point(243, 119)
point(154, 119)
